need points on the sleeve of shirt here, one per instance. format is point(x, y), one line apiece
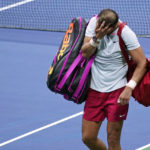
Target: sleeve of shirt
point(90, 30)
point(130, 38)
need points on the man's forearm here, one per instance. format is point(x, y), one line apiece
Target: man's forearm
point(139, 71)
point(88, 50)
point(140, 60)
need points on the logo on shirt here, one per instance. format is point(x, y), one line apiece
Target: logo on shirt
point(115, 41)
point(122, 115)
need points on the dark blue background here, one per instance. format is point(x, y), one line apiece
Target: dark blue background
point(56, 14)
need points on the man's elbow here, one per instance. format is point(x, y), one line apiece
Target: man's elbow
point(84, 54)
point(143, 64)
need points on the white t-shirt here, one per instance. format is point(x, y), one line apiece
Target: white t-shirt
point(109, 68)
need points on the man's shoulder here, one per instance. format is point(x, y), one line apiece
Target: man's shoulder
point(127, 29)
point(127, 32)
point(90, 30)
point(130, 38)
point(93, 19)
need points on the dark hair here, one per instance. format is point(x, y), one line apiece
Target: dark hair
point(109, 16)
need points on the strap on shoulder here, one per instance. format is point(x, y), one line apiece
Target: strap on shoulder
point(121, 26)
point(122, 44)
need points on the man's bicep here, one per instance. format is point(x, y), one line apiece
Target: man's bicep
point(130, 39)
point(90, 30)
point(137, 55)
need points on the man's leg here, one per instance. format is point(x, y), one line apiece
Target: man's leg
point(113, 135)
point(90, 131)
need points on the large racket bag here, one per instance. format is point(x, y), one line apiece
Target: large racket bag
point(70, 73)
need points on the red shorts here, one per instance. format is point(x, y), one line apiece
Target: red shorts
point(99, 105)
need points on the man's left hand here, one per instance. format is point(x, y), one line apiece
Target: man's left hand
point(125, 96)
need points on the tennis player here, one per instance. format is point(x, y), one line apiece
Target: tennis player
point(109, 92)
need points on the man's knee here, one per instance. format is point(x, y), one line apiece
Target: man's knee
point(90, 131)
point(88, 140)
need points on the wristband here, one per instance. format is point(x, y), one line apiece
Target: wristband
point(94, 44)
point(132, 84)
point(95, 39)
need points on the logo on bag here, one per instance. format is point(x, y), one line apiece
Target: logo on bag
point(50, 70)
point(65, 41)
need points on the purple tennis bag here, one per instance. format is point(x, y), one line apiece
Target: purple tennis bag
point(70, 73)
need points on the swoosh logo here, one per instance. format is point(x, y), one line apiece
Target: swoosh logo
point(122, 115)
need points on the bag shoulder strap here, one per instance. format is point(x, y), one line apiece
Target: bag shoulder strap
point(122, 44)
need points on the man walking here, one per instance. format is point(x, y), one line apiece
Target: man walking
point(109, 92)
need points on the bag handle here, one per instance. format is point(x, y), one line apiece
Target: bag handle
point(76, 62)
point(84, 76)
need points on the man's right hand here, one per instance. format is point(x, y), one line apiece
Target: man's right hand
point(101, 30)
